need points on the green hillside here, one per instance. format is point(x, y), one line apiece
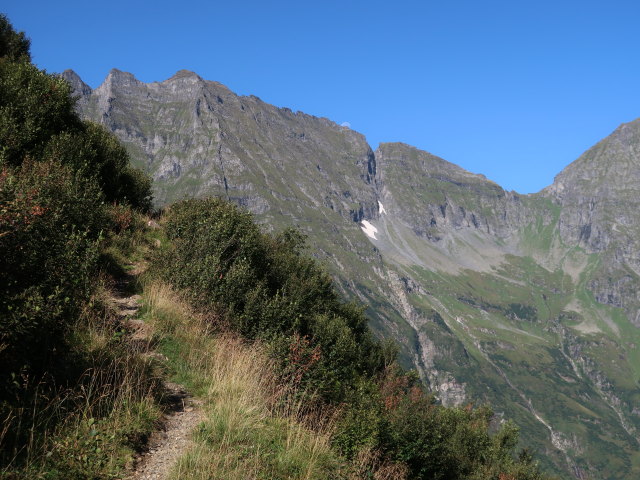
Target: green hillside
point(103, 308)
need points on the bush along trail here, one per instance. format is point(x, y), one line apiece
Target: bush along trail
point(76, 398)
point(231, 356)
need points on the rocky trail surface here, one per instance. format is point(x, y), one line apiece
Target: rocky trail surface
point(172, 441)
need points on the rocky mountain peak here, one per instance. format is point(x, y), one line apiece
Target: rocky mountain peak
point(120, 78)
point(612, 165)
point(185, 75)
point(599, 192)
point(77, 85)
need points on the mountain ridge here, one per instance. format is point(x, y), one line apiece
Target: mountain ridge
point(82, 89)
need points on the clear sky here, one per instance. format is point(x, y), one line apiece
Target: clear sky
point(513, 89)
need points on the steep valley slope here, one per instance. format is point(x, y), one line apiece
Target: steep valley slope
point(526, 302)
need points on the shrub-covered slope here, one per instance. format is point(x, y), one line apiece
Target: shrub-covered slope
point(67, 195)
point(59, 177)
point(265, 288)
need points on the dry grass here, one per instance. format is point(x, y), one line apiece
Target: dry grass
point(251, 430)
point(369, 464)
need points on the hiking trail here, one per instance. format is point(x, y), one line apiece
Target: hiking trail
point(182, 412)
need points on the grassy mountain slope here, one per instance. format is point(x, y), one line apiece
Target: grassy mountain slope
point(514, 296)
point(494, 296)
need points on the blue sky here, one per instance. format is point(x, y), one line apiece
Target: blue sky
point(515, 89)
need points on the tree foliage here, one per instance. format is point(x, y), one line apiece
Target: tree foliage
point(14, 46)
point(59, 178)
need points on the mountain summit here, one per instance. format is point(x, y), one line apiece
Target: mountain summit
point(527, 302)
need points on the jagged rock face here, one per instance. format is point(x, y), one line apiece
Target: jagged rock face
point(198, 138)
point(445, 196)
point(600, 198)
point(80, 89)
point(526, 302)
point(599, 193)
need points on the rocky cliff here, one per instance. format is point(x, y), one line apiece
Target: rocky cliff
point(599, 194)
point(528, 302)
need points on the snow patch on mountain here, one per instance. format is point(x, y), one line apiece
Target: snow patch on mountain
point(369, 230)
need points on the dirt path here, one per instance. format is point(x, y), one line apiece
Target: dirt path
point(183, 412)
point(169, 444)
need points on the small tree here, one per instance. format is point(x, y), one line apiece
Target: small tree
point(14, 46)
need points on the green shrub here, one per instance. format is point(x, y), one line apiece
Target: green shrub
point(269, 289)
point(34, 106)
point(95, 153)
point(38, 121)
point(14, 46)
point(50, 224)
point(436, 442)
point(360, 425)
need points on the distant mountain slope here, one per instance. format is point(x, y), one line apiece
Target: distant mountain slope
point(600, 198)
point(527, 302)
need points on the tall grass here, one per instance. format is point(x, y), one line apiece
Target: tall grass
point(87, 420)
